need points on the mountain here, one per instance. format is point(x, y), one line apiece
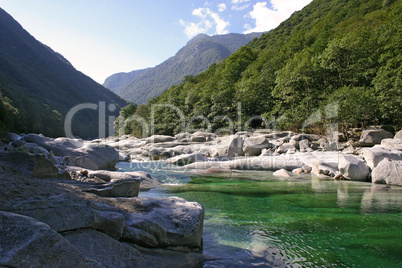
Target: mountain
point(38, 87)
point(195, 57)
point(334, 63)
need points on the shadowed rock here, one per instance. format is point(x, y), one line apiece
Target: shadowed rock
point(26, 242)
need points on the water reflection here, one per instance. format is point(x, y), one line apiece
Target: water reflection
point(382, 199)
point(343, 195)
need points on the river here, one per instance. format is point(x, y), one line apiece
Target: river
point(253, 219)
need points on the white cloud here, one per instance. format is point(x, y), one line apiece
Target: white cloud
point(222, 7)
point(238, 4)
point(267, 19)
point(192, 29)
point(240, 1)
point(200, 12)
point(221, 24)
point(209, 20)
point(240, 8)
point(289, 6)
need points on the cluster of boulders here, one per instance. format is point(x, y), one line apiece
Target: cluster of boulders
point(59, 207)
point(290, 152)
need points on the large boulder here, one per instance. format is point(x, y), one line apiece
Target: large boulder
point(125, 143)
point(103, 156)
point(13, 137)
point(304, 145)
point(372, 137)
point(184, 135)
point(230, 146)
point(200, 136)
point(160, 139)
point(279, 135)
point(33, 166)
point(69, 143)
point(253, 145)
point(309, 137)
point(104, 249)
point(120, 188)
point(392, 144)
point(195, 138)
point(388, 171)
point(146, 180)
point(59, 147)
point(26, 242)
point(353, 168)
point(398, 135)
point(65, 213)
point(376, 154)
point(285, 148)
point(187, 159)
point(167, 222)
point(91, 155)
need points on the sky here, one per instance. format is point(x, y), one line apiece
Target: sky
point(103, 37)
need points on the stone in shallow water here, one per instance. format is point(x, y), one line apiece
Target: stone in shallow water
point(171, 221)
point(282, 173)
point(388, 171)
point(353, 168)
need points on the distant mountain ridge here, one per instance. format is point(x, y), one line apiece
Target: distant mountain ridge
point(196, 56)
point(38, 87)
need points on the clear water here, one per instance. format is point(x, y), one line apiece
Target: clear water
point(256, 220)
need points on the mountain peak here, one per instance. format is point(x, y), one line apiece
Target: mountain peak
point(195, 57)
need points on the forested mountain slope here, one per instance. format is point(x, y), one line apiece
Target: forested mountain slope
point(344, 54)
point(38, 87)
point(195, 57)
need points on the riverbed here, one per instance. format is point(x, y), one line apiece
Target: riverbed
point(254, 219)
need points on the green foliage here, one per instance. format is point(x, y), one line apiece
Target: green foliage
point(357, 107)
point(9, 116)
point(128, 110)
point(339, 52)
point(132, 120)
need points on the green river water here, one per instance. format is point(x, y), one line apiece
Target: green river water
point(253, 219)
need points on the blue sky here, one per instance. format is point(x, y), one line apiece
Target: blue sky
point(103, 37)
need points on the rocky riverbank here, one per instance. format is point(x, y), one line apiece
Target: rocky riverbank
point(374, 156)
point(58, 208)
point(63, 203)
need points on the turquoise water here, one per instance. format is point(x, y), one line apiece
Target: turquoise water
point(256, 220)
